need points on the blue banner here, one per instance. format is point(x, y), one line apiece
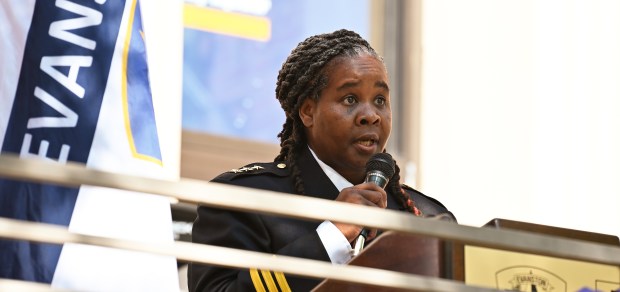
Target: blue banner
point(63, 77)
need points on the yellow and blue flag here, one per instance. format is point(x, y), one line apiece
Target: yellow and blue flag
point(74, 86)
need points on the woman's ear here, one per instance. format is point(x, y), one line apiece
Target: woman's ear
point(306, 112)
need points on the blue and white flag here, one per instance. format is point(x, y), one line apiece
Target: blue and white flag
point(74, 86)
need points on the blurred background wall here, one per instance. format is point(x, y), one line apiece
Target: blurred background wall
point(520, 111)
point(502, 109)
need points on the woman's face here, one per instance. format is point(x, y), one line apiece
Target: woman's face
point(352, 118)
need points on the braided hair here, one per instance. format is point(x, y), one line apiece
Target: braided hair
point(302, 76)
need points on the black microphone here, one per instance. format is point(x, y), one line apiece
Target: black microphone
point(379, 170)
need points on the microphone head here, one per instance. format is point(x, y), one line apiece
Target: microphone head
point(382, 162)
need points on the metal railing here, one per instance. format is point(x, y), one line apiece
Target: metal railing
point(253, 200)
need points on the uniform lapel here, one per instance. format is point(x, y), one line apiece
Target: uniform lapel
point(316, 182)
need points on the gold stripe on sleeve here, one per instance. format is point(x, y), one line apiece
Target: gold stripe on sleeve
point(269, 281)
point(258, 284)
point(282, 282)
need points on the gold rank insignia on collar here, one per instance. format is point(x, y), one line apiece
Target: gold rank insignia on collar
point(245, 169)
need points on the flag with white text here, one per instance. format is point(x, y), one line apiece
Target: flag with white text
point(74, 86)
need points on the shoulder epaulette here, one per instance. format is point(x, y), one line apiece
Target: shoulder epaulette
point(404, 186)
point(259, 168)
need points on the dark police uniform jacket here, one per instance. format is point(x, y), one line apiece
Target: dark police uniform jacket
point(272, 234)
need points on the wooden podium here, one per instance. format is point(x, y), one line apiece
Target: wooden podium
point(399, 252)
point(517, 271)
point(427, 256)
point(555, 231)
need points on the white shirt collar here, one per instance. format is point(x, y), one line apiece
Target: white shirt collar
point(338, 180)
